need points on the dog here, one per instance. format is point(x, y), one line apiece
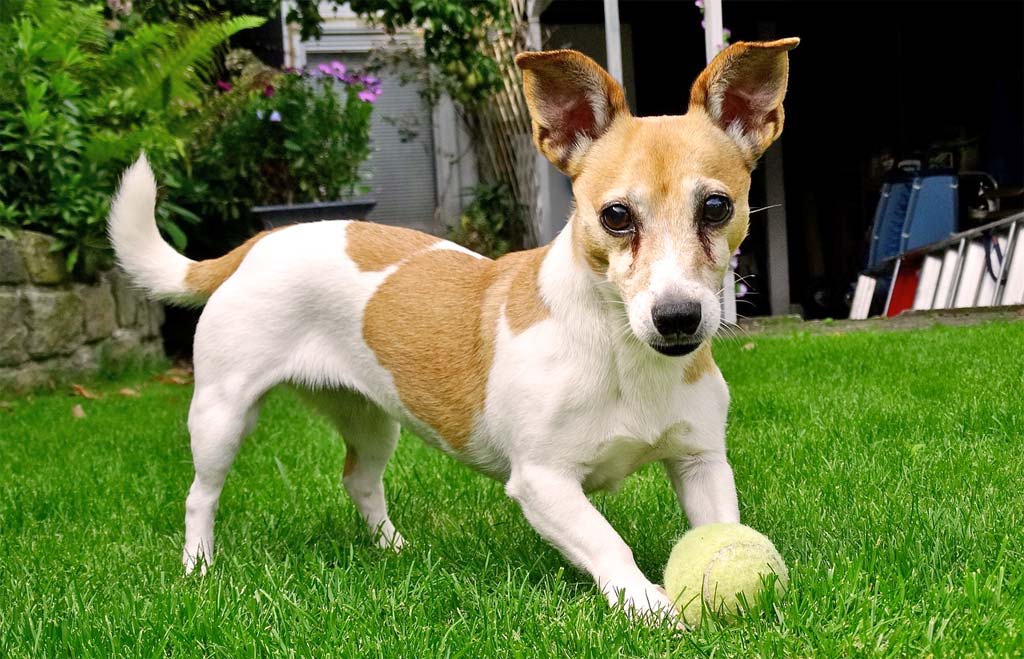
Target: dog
point(557, 371)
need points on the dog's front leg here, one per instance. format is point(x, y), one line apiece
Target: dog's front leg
point(555, 504)
point(705, 487)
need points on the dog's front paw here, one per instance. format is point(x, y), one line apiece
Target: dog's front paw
point(194, 559)
point(648, 602)
point(394, 541)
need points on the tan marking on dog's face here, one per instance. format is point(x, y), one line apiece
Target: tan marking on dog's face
point(205, 277)
point(701, 363)
point(427, 326)
point(662, 169)
point(373, 247)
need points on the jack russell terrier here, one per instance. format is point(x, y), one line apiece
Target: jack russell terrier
point(558, 370)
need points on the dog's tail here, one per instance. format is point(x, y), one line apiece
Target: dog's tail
point(150, 262)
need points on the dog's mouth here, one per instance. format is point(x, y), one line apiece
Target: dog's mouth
point(675, 349)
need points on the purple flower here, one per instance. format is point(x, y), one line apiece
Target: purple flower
point(269, 91)
point(338, 69)
point(700, 4)
point(324, 69)
point(275, 116)
point(368, 95)
point(223, 85)
point(371, 81)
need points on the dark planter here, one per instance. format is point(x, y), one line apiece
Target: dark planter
point(279, 216)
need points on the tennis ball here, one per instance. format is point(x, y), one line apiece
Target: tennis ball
point(723, 568)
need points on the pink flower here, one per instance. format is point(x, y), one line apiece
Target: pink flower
point(269, 91)
point(368, 95)
point(223, 85)
point(338, 69)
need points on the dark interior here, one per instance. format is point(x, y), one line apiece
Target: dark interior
point(869, 80)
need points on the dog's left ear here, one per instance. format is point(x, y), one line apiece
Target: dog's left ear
point(742, 91)
point(572, 102)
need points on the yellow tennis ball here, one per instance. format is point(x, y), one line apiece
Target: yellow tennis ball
point(718, 567)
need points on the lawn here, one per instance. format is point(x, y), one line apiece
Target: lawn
point(887, 468)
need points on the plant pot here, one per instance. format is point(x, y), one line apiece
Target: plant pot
point(279, 216)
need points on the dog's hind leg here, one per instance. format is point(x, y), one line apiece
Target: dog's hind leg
point(218, 420)
point(370, 438)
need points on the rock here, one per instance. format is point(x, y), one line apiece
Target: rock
point(43, 266)
point(31, 375)
point(12, 268)
point(55, 322)
point(85, 361)
point(127, 298)
point(100, 309)
point(122, 347)
point(14, 334)
point(153, 350)
point(154, 319)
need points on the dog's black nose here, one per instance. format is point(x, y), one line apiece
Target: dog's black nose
point(677, 317)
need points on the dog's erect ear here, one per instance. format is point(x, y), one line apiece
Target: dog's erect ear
point(742, 91)
point(572, 102)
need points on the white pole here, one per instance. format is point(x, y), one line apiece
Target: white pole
point(612, 40)
point(712, 45)
point(712, 28)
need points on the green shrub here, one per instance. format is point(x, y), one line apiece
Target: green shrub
point(80, 96)
point(276, 137)
point(493, 223)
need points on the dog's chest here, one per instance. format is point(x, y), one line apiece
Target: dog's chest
point(618, 456)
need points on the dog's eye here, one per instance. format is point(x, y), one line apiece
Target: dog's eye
point(717, 209)
point(617, 220)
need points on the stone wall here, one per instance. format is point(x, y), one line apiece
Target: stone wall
point(53, 329)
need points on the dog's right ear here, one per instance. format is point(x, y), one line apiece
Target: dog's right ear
point(572, 102)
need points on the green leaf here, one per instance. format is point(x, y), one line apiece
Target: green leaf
point(175, 234)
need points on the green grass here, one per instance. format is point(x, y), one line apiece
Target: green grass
point(887, 468)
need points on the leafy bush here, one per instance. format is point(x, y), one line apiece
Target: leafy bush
point(304, 12)
point(457, 57)
point(277, 137)
point(79, 98)
point(493, 223)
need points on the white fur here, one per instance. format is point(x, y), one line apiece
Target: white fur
point(152, 264)
point(573, 403)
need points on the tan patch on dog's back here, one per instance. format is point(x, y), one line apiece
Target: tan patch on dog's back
point(374, 247)
point(426, 326)
point(432, 325)
point(205, 277)
point(700, 364)
point(523, 304)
